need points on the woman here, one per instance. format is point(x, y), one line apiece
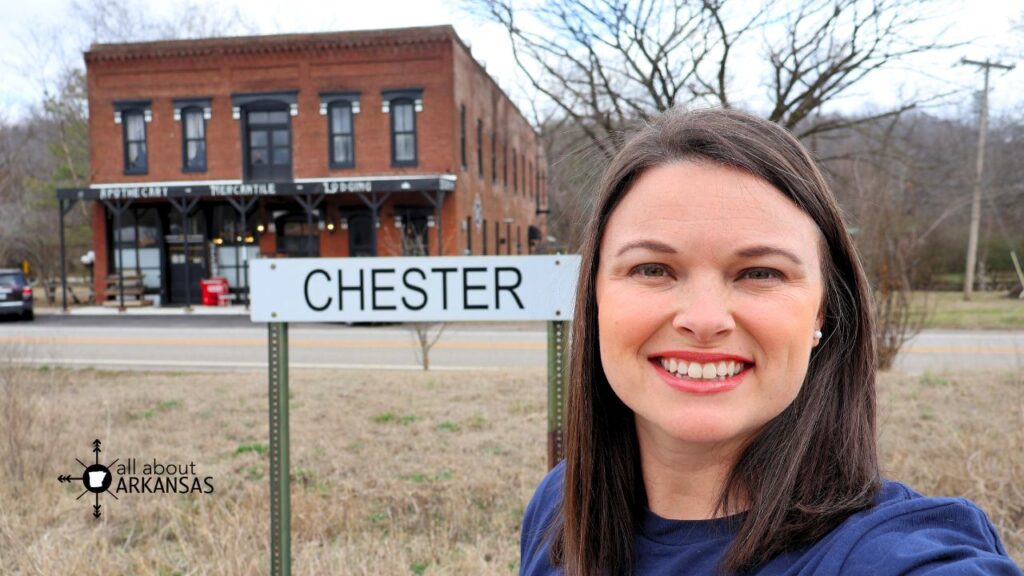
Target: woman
point(721, 403)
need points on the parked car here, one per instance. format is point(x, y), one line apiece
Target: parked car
point(15, 294)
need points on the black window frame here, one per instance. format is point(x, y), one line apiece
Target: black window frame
point(480, 148)
point(536, 181)
point(515, 171)
point(126, 113)
point(185, 139)
point(266, 106)
point(246, 102)
point(528, 176)
point(494, 157)
point(331, 136)
point(395, 162)
point(462, 134)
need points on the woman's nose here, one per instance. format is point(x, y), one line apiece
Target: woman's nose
point(703, 310)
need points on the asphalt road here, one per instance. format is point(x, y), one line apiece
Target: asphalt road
point(233, 342)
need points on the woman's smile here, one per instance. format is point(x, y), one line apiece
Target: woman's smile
point(697, 378)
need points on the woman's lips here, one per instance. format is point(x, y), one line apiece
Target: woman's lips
point(695, 386)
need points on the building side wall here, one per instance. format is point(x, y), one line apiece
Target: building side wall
point(500, 197)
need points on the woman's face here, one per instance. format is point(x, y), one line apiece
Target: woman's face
point(676, 295)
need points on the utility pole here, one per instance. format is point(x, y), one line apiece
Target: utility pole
point(972, 242)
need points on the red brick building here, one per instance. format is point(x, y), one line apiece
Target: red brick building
point(206, 153)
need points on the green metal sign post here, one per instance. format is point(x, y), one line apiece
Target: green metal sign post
point(557, 371)
point(280, 482)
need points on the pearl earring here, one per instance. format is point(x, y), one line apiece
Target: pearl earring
point(817, 334)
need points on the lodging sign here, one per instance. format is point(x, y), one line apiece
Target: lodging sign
point(420, 289)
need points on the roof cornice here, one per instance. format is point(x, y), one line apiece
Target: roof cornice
point(270, 44)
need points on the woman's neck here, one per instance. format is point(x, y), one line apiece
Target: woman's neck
point(685, 481)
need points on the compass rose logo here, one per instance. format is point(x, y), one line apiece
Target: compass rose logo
point(96, 478)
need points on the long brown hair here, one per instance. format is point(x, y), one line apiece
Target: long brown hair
point(812, 465)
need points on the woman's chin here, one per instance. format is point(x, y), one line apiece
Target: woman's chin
point(695, 431)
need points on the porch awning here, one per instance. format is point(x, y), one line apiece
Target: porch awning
point(300, 186)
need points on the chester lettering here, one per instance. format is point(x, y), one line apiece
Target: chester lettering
point(466, 288)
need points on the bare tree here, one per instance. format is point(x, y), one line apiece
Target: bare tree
point(887, 247)
point(827, 48)
point(426, 334)
point(122, 21)
point(610, 63)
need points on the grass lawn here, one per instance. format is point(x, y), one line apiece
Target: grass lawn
point(393, 473)
point(986, 310)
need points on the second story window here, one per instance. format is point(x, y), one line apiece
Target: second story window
point(194, 128)
point(494, 157)
point(192, 114)
point(480, 147)
point(136, 156)
point(266, 133)
point(515, 172)
point(462, 134)
point(341, 109)
point(342, 143)
point(403, 105)
point(133, 115)
point(403, 133)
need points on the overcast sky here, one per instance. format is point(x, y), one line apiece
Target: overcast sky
point(30, 57)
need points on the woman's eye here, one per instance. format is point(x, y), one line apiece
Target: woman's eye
point(650, 271)
point(764, 274)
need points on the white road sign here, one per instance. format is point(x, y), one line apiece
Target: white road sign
point(422, 289)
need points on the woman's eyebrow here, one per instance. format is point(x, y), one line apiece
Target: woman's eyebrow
point(748, 252)
point(755, 251)
point(652, 245)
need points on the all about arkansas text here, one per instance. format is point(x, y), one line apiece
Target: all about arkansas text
point(156, 478)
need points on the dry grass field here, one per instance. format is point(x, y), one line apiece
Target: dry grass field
point(394, 473)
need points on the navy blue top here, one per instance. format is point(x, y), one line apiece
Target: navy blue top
point(903, 533)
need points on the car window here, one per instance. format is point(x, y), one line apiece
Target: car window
point(9, 280)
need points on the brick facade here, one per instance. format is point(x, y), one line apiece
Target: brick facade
point(433, 61)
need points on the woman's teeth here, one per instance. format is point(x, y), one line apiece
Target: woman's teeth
point(698, 371)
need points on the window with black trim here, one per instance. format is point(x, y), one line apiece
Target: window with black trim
point(266, 133)
point(343, 153)
point(193, 127)
point(403, 132)
point(136, 154)
point(536, 183)
point(462, 134)
point(480, 147)
point(515, 171)
point(528, 179)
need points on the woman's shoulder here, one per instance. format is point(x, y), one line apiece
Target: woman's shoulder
point(540, 513)
point(545, 501)
point(906, 531)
